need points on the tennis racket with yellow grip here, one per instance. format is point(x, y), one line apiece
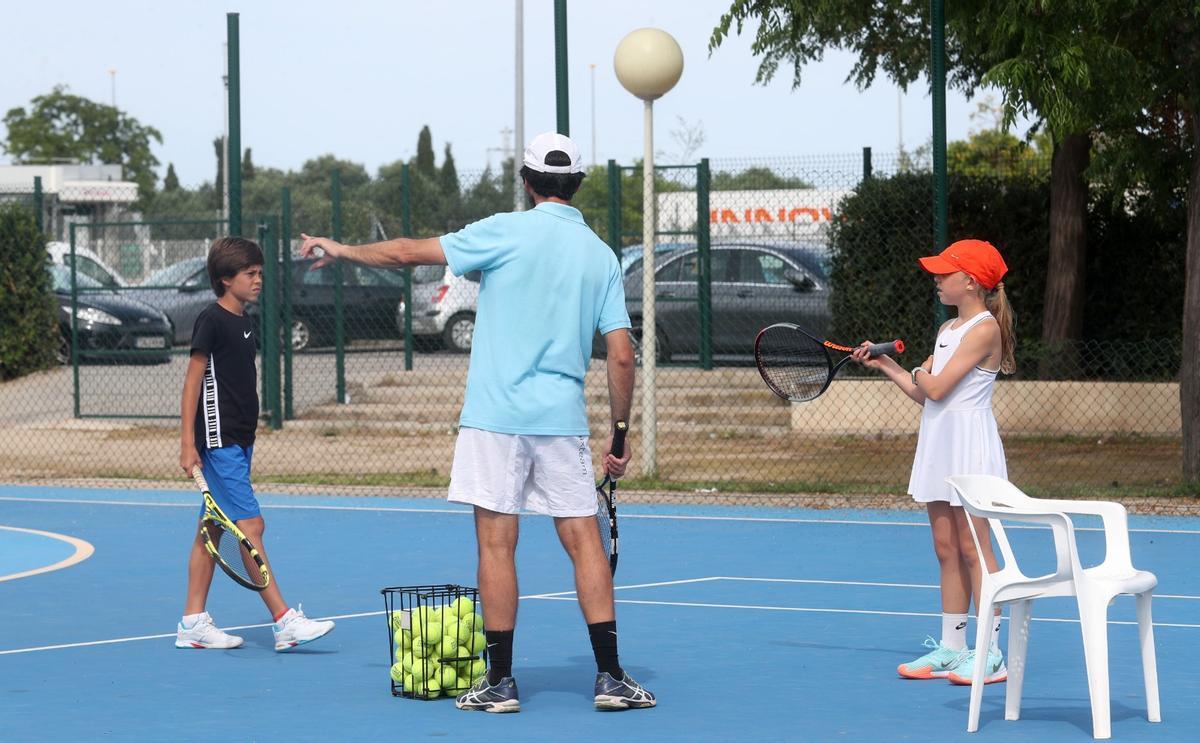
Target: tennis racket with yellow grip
point(229, 547)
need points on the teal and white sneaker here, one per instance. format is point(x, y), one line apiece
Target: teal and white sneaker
point(294, 629)
point(935, 664)
point(994, 671)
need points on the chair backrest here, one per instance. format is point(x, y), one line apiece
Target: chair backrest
point(994, 498)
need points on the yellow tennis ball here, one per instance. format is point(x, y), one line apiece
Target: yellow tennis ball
point(449, 646)
point(398, 673)
point(408, 682)
point(463, 606)
point(476, 669)
point(420, 649)
point(476, 644)
point(433, 688)
point(447, 678)
point(432, 633)
point(407, 660)
point(464, 684)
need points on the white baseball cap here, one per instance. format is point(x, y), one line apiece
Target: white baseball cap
point(551, 152)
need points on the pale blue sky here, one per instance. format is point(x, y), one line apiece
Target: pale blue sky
point(359, 78)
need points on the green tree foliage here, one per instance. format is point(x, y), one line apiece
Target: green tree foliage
point(424, 162)
point(171, 181)
point(28, 311)
point(248, 171)
point(755, 179)
point(60, 127)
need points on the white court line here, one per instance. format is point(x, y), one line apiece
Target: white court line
point(566, 596)
point(465, 512)
point(83, 550)
point(815, 610)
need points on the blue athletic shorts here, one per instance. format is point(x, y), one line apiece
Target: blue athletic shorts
point(227, 471)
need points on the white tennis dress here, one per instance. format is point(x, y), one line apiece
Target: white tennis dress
point(958, 433)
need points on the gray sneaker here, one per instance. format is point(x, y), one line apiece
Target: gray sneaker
point(614, 694)
point(500, 697)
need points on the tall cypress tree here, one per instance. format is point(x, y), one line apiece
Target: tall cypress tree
point(425, 164)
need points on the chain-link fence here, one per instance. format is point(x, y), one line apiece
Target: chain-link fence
point(364, 373)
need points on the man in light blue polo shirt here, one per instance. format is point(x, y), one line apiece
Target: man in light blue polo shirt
point(548, 285)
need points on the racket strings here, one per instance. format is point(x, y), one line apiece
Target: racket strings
point(794, 364)
point(234, 554)
point(603, 524)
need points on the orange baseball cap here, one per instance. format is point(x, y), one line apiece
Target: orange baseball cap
point(978, 259)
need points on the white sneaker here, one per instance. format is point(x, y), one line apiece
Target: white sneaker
point(294, 629)
point(204, 635)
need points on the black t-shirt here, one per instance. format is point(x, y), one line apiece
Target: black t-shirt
point(227, 412)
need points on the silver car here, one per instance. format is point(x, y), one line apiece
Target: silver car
point(443, 311)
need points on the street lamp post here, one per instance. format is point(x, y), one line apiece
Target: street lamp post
point(648, 63)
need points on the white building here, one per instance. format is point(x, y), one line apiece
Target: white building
point(72, 193)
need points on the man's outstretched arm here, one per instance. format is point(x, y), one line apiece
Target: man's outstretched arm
point(396, 253)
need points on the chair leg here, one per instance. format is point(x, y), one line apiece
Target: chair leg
point(1093, 621)
point(1149, 663)
point(1018, 643)
point(983, 634)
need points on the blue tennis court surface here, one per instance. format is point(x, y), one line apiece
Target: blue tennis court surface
point(747, 623)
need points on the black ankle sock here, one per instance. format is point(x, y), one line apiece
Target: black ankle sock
point(604, 646)
point(499, 648)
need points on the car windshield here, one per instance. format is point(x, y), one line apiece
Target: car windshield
point(428, 274)
point(174, 274)
point(62, 279)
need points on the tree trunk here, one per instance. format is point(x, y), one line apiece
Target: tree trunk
point(1062, 318)
point(1189, 372)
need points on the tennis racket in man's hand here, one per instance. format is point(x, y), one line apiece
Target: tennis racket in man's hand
point(229, 547)
point(798, 366)
point(606, 500)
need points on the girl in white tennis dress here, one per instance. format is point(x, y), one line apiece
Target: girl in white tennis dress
point(958, 436)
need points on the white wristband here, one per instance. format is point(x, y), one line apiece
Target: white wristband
point(914, 373)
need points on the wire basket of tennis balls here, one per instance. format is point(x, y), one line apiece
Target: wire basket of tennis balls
point(435, 637)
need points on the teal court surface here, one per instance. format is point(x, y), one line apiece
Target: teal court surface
point(747, 623)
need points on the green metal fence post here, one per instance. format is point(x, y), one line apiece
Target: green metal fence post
point(339, 308)
point(937, 51)
point(269, 310)
point(614, 207)
point(38, 203)
point(285, 259)
point(703, 245)
point(406, 231)
point(74, 325)
point(560, 67)
point(868, 171)
point(233, 146)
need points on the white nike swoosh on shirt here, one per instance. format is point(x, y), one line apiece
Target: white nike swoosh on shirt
point(246, 334)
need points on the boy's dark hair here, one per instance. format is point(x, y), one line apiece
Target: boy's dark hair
point(552, 185)
point(228, 256)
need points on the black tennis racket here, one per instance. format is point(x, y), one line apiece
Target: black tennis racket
point(606, 500)
point(797, 365)
point(229, 547)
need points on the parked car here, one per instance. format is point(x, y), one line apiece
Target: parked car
point(86, 262)
point(183, 292)
point(443, 311)
point(370, 297)
point(106, 320)
point(753, 285)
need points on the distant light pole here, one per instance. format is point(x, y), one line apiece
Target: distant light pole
point(592, 69)
point(112, 74)
point(519, 114)
point(648, 62)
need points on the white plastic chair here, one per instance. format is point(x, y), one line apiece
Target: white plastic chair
point(1094, 588)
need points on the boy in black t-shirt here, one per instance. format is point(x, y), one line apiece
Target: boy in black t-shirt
point(220, 413)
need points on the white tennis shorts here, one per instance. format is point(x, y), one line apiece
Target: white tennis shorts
point(510, 473)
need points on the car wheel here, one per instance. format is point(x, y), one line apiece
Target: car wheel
point(459, 331)
point(662, 350)
point(303, 336)
point(62, 354)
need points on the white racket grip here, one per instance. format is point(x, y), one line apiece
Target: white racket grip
point(198, 476)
